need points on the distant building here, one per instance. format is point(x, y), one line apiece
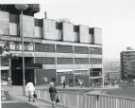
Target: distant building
point(65, 51)
point(127, 64)
point(111, 77)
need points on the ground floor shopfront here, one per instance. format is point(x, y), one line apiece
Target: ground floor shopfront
point(46, 73)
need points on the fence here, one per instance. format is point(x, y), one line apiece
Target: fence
point(80, 100)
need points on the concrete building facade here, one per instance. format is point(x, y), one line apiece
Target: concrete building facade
point(127, 65)
point(65, 51)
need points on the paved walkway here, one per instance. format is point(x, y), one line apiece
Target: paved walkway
point(17, 105)
point(17, 97)
point(16, 94)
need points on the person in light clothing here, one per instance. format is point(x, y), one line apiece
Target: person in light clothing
point(30, 89)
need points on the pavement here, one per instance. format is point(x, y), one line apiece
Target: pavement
point(17, 100)
point(17, 105)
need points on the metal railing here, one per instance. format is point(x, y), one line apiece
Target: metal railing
point(80, 100)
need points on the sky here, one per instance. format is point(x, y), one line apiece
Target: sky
point(115, 17)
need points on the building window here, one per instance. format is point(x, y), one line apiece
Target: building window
point(45, 60)
point(95, 50)
point(38, 22)
point(14, 18)
point(76, 28)
point(44, 47)
point(59, 25)
point(95, 60)
point(95, 72)
point(64, 60)
point(81, 50)
point(81, 60)
point(64, 49)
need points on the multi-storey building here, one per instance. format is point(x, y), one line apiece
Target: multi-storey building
point(65, 51)
point(127, 65)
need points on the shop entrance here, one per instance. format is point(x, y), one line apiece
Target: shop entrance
point(17, 75)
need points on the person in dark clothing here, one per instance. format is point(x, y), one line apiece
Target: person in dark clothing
point(34, 96)
point(64, 84)
point(53, 93)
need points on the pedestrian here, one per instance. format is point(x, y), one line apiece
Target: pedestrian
point(64, 84)
point(30, 89)
point(81, 83)
point(35, 96)
point(53, 93)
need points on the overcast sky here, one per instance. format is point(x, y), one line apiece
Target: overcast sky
point(115, 17)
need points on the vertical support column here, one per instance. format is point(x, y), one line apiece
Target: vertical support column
point(97, 100)
point(103, 80)
point(89, 64)
point(23, 59)
point(73, 57)
point(0, 72)
point(117, 103)
point(35, 70)
point(56, 64)
point(10, 72)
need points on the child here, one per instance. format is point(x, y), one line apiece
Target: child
point(34, 96)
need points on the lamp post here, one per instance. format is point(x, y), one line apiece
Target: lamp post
point(21, 8)
point(1, 51)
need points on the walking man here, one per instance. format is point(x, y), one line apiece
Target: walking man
point(53, 93)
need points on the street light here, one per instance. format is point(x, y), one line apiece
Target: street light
point(21, 8)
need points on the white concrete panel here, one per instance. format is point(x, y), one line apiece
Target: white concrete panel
point(37, 32)
point(28, 26)
point(13, 29)
point(58, 34)
point(12, 46)
point(49, 30)
point(68, 34)
point(76, 37)
point(4, 22)
point(85, 37)
point(98, 35)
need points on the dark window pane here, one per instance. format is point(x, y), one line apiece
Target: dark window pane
point(65, 61)
point(95, 61)
point(64, 49)
point(81, 60)
point(81, 50)
point(14, 18)
point(44, 47)
point(38, 22)
point(95, 50)
point(59, 25)
point(45, 60)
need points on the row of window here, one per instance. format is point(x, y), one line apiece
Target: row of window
point(96, 72)
point(51, 60)
point(51, 48)
point(67, 49)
